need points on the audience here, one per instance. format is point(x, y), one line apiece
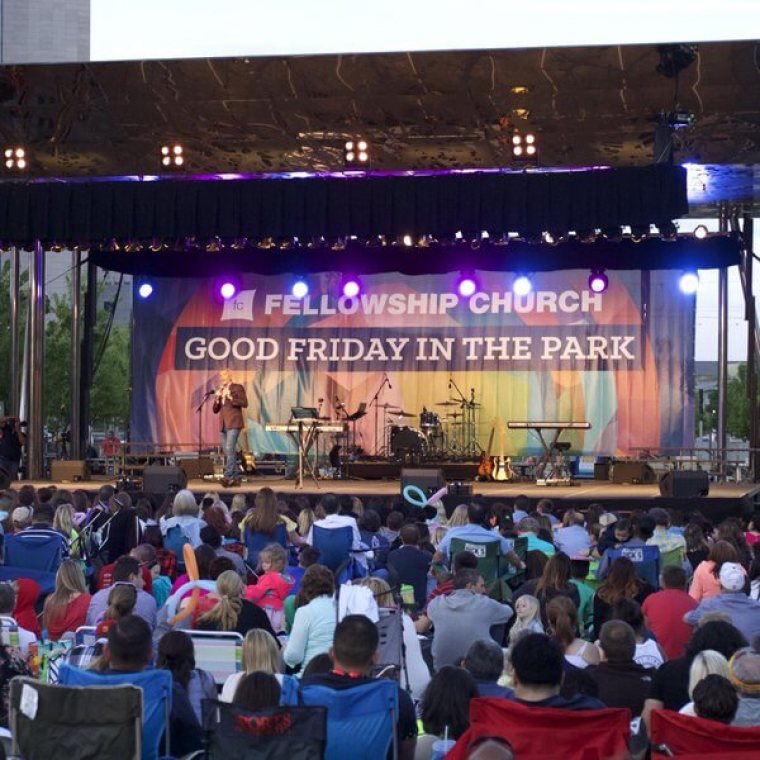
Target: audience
point(257, 691)
point(66, 608)
point(562, 618)
point(715, 698)
point(744, 673)
point(273, 585)
point(484, 661)
point(621, 583)
point(706, 579)
point(7, 603)
point(411, 563)
point(648, 651)
point(261, 652)
point(554, 582)
point(703, 664)
point(665, 609)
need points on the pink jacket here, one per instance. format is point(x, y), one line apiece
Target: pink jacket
point(271, 590)
point(704, 584)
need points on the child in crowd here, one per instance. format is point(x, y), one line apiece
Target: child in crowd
point(273, 586)
point(528, 617)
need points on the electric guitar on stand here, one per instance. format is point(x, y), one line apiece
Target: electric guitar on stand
point(485, 468)
point(502, 469)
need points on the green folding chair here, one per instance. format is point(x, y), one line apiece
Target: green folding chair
point(488, 554)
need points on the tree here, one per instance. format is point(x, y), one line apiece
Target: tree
point(737, 411)
point(5, 333)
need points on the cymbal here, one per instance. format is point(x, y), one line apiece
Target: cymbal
point(447, 403)
point(403, 414)
point(388, 406)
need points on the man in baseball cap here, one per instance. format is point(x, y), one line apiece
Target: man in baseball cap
point(743, 612)
point(744, 673)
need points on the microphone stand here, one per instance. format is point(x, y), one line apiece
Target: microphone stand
point(199, 412)
point(463, 404)
point(374, 403)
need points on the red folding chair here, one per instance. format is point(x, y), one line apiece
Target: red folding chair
point(544, 732)
point(693, 738)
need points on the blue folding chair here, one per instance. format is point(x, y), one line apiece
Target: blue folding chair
point(36, 555)
point(361, 721)
point(334, 545)
point(157, 700)
point(646, 561)
point(256, 541)
point(290, 693)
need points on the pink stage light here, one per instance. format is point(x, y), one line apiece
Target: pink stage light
point(228, 290)
point(598, 282)
point(351, 288)
point(467, 287)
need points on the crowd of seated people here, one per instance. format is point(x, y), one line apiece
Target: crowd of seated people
point(585, 611)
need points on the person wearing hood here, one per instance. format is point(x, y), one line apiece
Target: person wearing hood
point(462, 617)
point(17, 601)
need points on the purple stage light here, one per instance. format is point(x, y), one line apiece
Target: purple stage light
point(300, 289)
point(145, 290)
point(467, 287)
point(597, 282)
point(228, 290)
point(351, 288)
point(522, 285)
point(689, 283)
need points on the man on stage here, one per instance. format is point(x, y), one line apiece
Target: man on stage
point(230, 400)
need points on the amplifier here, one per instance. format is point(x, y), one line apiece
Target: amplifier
point(634, 471)
point(162, 479)
point(684, 484)
point(197, 468)
point(69, 470)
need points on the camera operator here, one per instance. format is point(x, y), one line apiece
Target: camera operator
point(12, 439)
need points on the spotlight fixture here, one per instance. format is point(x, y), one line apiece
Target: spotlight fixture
point(15, 159)
point(172, 156)
point(689, 283)
point(467, 287)
point(300, 289)
point(145, 290)
point(668, 231)
point(408, 241)
point(524, 146)
point(597, 281)
point(700, 232)
point(357, 152)
point(522, 285)
point(351, 287)
point(227, 290)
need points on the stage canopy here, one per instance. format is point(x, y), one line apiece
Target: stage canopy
point(307, 224)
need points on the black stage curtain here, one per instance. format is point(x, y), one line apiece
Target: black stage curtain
point(89, 213)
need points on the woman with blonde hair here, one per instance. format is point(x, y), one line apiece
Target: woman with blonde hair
point(705, 663)
point(66, 608)
point(63, 522)
point(458, 517)
point(261, 654)
point(305, 521)
point(230, 611)
point(416, 670)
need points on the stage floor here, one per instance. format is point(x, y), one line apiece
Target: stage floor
point(723, 499)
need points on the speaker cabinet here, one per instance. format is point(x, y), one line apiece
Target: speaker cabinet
point(684, 484)
point(428, 480)
point(197, 468)
point(633, 472)
point(69, 470)
point(162, 479)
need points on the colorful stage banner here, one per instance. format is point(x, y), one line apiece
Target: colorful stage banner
point(621, 360)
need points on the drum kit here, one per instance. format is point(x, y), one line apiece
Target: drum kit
point(439, 436)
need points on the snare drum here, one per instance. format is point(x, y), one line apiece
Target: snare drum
point(407, 440)
point(430, 420)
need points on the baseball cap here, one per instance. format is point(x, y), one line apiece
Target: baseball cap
point(732, 576)
point(22, 514)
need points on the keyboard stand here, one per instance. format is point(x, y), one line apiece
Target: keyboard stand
point(304, 439)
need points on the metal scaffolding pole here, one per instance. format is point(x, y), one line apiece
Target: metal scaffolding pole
point(722, 351)
point(35, 443)
point(751, 316)
point(88, 332)
point(76, 353)
point(14, 319)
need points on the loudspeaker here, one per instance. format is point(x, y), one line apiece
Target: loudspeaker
point(633, 472)
point(601, 470)
point(684, 484)
point(428, 480)
point(197, 468)
point(161, 479)
point(68, 470)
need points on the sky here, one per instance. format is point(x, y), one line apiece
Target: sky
point(136, 29)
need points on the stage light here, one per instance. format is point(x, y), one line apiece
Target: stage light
point(300, 289)
point(145, 290)
point(351, 288)
point(522, 285)
point(467, 287)
point(172, 156)
point(689, 283)
point(356, 152)
point(227, 290)
point(407, 240)
point(700, 232)
point(524, 147)
point(597, 281)
point(15, 159)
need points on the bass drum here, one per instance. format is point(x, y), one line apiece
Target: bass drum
point(406, 441)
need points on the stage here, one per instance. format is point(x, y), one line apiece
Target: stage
point(723, 499)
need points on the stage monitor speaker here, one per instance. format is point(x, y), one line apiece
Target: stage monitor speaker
point(635, 472)
point(162, 479)
point(428, 480)
point(684, 484)
point(197, 468)
point(69, 470)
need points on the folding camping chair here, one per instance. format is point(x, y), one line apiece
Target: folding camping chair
point(361, 721)
point(282, 733)
point(333, 544)
point(677, 735)
point(537, 733)
point(156, 686)
point(37, 556)
point(218, 652)
point(74, 721)
point(390, 649)
point(488, 554)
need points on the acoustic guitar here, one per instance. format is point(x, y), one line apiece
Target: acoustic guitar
point(485, 468)
point(501, 465)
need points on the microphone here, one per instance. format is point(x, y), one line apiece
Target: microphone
point(388, 380)
point(449, 383)
point(210, 392)
point(338, 403)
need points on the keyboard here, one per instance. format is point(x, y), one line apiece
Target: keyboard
point(294, 427)
point(545, 425)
